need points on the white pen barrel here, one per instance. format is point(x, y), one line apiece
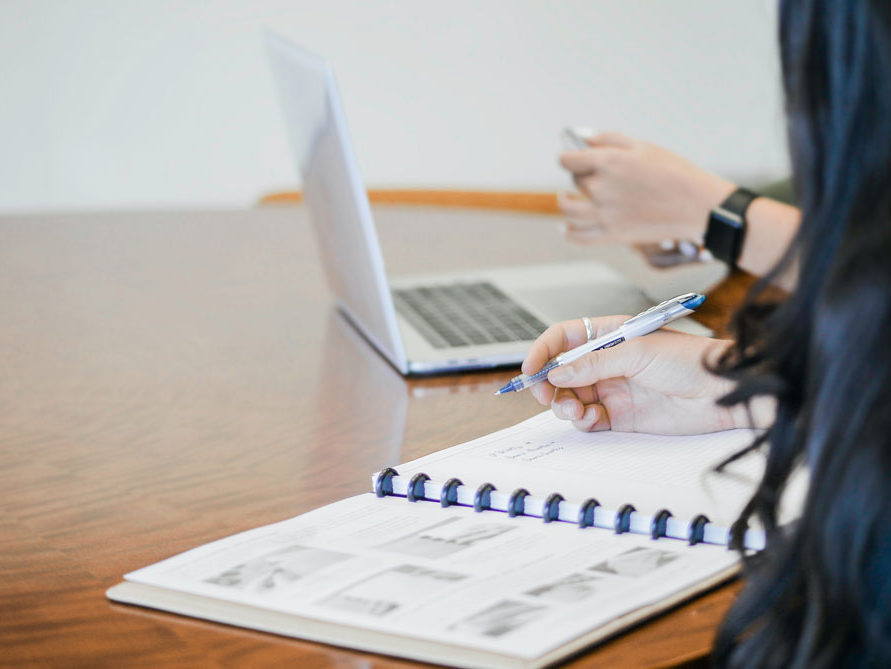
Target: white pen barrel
point(638, 328)
point(593, 345)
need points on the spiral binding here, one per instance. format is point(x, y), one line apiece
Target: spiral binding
point(586, 513)
point(383, 486)
point(482, 498)
point(660, 524)
point(552, 507)
point(416, 487)
point(697, 529)
point(449, 494)
point(623, 518)
point(516, 505)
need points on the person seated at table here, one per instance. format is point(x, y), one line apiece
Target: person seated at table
point(633, 191)
point(814, 368)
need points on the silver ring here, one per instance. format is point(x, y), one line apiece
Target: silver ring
point(589, 329)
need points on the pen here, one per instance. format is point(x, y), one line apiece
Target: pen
point(644, 323)
point(574, 138)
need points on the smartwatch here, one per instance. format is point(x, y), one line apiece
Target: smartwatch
point(727, 226)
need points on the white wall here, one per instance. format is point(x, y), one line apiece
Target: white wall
point(168, 104)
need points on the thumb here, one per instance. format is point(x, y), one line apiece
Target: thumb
point(608, 363)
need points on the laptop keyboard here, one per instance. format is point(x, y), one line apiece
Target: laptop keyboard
point(466, 314)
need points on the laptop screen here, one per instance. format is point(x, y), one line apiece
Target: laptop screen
point(334, 193)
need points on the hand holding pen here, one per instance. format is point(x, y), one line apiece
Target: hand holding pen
point(655, 383)
point(644, 323)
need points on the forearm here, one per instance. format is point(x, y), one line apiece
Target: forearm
point(640, 192)
point(770, 227)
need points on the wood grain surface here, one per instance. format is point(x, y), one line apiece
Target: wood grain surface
point(173, 378)
point(525, 201)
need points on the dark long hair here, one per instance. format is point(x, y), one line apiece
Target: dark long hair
point(820, 594)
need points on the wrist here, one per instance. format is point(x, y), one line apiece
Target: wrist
point(708, 193)
point(759, 413)
point(725, 233)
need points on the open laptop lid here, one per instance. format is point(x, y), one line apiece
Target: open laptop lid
point(335, 195)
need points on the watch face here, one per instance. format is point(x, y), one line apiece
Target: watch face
point(727, 226)
point(729, 218)
point(723, 237)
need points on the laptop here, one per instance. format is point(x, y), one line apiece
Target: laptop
point(427, 324)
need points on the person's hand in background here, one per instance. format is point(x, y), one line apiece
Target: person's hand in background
point(656, 383)
point(630, 190)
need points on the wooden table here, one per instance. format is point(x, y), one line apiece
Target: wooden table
point(172, 378)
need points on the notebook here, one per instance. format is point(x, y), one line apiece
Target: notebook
point(439, 322)
point(516, 549)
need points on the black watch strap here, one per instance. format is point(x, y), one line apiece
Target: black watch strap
point(726, 229)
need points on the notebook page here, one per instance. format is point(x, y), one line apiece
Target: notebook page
point(544, 454)
point(443, 575)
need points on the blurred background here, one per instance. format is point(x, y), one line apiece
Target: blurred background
point(163, 104)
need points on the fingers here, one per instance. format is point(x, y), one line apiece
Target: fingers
point(594, 419)
point(543, 393)
point(585, 234)
point(601, 325)
point(582, 225)
point(556, 339)
point(566, 405)
point(609, 363)
point(564, 336)
point(576, 207)
point(569, 404)
point(586, 161)
point(605, 148)
point(611, 138)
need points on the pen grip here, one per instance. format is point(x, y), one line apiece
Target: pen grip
point(542, 374)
